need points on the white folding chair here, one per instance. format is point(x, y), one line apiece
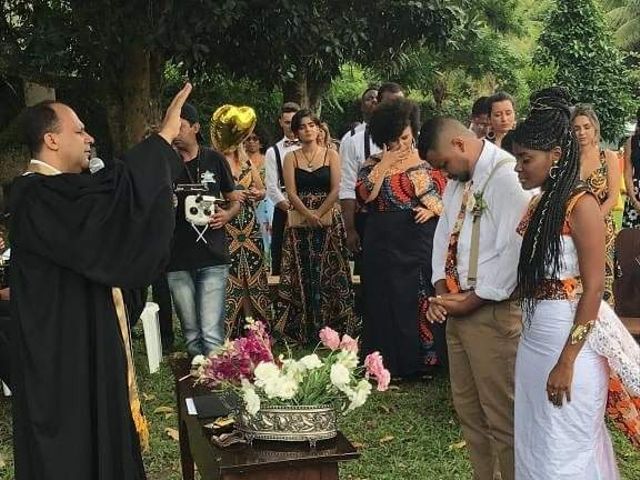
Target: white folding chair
point(152, 340)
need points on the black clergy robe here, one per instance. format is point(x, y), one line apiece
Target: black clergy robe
point(74, 237)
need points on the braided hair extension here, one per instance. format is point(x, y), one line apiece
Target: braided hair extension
point(547, 126)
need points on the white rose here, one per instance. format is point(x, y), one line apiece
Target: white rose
point(287, 388)
point(198, 361)
point(348, 359)
point(293, 369)
point(265, 373)
point(339, 375)
point(250, 397)
point(271, 387)
point(359, 395)
point(311, 362)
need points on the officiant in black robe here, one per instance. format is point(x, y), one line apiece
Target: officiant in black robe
point(78, 241)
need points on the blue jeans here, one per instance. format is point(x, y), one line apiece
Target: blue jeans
point(198, 297)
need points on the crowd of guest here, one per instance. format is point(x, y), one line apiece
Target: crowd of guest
point(485, 248)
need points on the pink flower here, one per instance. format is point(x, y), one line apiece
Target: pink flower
point(330, 338)
point(349, 344)
point(384, 378)
point(374, 367)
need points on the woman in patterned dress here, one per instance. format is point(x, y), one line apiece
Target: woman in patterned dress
point(631, 217)
point(315, 281)
point(255, 145)
point(403, 206)
point(601, 172)
point(247, 289)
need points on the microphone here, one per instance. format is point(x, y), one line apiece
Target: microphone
point(95, 165)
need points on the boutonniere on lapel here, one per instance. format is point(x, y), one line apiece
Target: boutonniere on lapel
point(476, 204)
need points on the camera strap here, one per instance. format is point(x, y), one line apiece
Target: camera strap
point(200, 232)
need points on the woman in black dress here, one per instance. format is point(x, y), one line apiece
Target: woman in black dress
point(631, 217)
point(315, 281)
point(403, 205)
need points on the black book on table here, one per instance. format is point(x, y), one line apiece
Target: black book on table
point(210, 406)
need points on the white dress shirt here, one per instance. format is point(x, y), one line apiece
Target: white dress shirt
point(351, 160)
point(352, 131)
point(274, 193)
point(499, 242)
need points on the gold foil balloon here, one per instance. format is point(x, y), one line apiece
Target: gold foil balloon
point(230, 126)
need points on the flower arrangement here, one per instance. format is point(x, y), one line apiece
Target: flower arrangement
point(330, 375)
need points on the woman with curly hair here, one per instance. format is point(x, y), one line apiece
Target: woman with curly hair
point(403, 206)
point(570, 337)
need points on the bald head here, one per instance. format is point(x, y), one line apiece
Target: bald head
point(447, 144)
point(437, 130)
point(55, 135)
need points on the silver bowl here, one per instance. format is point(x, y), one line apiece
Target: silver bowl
point(297, 423)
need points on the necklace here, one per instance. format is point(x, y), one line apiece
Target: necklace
point(310, 160)
point(186, 167)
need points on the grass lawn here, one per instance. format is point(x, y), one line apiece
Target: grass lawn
point(406, 433)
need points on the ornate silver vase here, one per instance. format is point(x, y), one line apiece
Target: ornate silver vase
point(300, 423)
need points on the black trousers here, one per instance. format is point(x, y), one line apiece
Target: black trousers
point(277, 238)
point(360, 222)
point(162, 296)
point(5, 356)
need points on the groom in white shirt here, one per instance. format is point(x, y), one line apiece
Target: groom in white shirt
point(475, 274)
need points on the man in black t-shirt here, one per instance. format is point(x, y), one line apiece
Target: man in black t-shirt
point(199, 266)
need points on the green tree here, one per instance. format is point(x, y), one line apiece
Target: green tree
point(114, 51)
point(104, 49)
point(624, 15)
point(578, 44)
point(301, 46)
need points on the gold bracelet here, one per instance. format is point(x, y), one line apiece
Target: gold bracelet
point(580, 331)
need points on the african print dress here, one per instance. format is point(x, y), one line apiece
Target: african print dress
point(315, 278)
point(248, 272)
point(397, 268)
point(598, 183)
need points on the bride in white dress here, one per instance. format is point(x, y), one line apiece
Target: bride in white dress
point(570, 338)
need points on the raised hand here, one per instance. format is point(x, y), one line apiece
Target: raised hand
point(171, 123)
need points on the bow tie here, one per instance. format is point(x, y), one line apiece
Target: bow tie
point(291, 143)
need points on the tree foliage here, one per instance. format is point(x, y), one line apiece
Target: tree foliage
point(304, 44)
point(115, 50)
point(624, 15)
point(577, 43)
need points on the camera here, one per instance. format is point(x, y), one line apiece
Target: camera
point(199, 208)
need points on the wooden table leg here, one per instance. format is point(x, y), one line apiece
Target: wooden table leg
point(186, 460)
point(325, 471)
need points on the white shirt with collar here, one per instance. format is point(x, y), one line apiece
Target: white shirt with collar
point(499, 242)
point(272, 184)
point(45, 165)
point(352, 131)
point(352, 156)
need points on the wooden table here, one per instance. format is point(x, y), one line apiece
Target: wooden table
point(261, 461)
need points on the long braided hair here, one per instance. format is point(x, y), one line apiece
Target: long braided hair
point(547, 126)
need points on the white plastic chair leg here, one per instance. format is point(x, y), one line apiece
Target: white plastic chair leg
point(152, 339)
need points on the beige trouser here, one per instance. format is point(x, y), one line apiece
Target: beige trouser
point(482, 354)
